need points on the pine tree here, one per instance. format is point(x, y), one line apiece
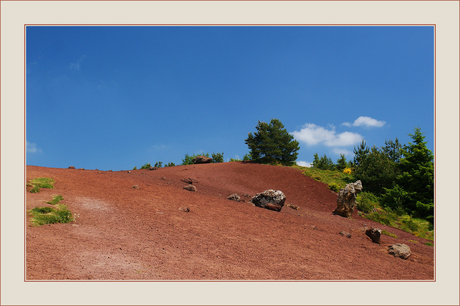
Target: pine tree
point(360, 154)
point(315, 162)
point(417, 176)
point(272, 143)
point(341, 162)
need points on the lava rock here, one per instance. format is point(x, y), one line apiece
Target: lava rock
point(269, 199)
point(374, 234)
point(347, 199)
point(202, 159)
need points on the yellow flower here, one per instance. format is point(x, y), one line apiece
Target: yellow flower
point(347, 171)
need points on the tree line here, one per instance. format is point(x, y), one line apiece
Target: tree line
point(402, 176)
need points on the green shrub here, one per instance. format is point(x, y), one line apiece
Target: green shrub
point(235, 160)
point(367, 202)
point(383, 217)
point(429, 243)
point(40, 182)
point(56, 200)
point(158, 164)
point(334, 187)
point(170, 165)
point(395, 198)
point(247, 157)
point(135, 168)
point(146, 166)
point(50, 215)
point(217, 157)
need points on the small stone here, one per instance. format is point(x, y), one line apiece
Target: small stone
point(184, 209)
point(234, 197)
point(136, 187)
point(129, 171)
point(345, 234)
point(190, 188)
point(292, 206)
point(71, 167)
point(189, 180)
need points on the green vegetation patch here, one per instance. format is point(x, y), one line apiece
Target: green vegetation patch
point(338, 178)
point(389, 234)
point(40, 182)
point(367, 202)
point(50, 215)
point(56, 200)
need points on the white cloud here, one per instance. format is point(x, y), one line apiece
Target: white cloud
point(345, 152)
point(32, 148)
point(303, 163)
point(366, 122)
point(312, 134)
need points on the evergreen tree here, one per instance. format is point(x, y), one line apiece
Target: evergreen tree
point(393, 149)
point(272, 143)
point(341, 163)
point(315, 161)
point(376, 170)
point(417, 176)
point(360, 154)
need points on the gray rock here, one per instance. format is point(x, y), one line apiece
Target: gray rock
point(347, 199)
point(374, 234)
point(400, 250)
point(71, 167)
point(345, 234)
point(269, 199)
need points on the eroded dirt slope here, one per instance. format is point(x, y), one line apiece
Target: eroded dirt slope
point(123, 233)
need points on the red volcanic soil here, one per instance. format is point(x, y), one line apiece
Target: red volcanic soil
point(124, 233)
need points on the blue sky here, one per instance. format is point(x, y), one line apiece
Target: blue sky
point(118, 97)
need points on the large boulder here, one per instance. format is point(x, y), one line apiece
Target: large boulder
point(347, 199)
point(201, 159)
point(400, 250)
point(269, 199)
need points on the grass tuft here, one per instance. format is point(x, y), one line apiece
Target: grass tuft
point(40, 182)
point(56, 200)
point(389, 234)
point(50, 215)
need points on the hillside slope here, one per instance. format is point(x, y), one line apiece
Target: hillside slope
point(123, 233)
